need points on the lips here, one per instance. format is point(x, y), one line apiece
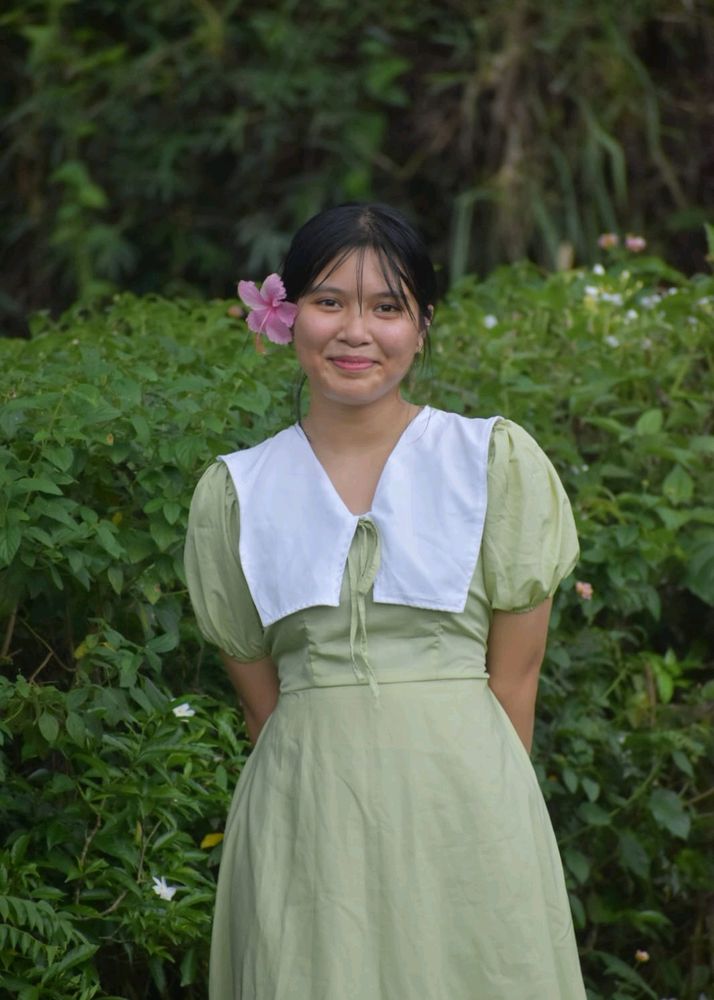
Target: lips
point(352, 364)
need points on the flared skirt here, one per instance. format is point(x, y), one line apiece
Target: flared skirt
point(399, 850)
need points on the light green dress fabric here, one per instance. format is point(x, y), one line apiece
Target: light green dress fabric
point(399, 848)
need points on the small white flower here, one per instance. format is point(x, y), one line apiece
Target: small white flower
point(646, 343)
point(631, 314)
point(162, 889)
point(585, 467)
point(650, 301)
point(692, 320)
point(490, 321)
point(612, 341)
point(598, 269)
point(614, 297)
point(591, 291)
point(672, 291)
point(183, 711)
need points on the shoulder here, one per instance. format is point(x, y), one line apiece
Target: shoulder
point(213, 497)
point(512, 443)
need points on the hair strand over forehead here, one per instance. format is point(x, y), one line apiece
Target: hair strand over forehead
point(330, 237)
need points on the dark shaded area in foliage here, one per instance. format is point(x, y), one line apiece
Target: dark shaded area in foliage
point(174, 147)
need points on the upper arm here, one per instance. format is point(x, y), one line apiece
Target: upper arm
point(516, 643)
point(256, 684)
point(221, 599)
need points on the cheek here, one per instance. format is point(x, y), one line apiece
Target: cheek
point(309, 340)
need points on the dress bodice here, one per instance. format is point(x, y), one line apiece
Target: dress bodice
point(528, 545)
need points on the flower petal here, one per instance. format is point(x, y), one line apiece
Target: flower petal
point(250, 295)
point(273, 289)
point(257, 319)
point(276, 330)
point(286, 312)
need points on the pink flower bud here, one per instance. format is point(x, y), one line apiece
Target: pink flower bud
point(606, 241)
point(635, 244)
point(641, 955)
point(584, 590)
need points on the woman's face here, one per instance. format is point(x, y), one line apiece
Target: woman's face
point(354, 354)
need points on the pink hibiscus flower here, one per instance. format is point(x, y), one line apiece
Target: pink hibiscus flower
point(269, 313)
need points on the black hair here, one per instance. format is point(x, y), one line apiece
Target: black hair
point(336, 233)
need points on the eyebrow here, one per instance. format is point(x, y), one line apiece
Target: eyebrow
point(385, 294)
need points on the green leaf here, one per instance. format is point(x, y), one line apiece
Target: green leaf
point(650, 422)
point(141, 427)
point(668, 812)
point(683, 763)
point(699, 576)
point(678, 486)
point(578, 911)
point(172, 511)
point(632, 854)
point(615, 966)
point(163, 534)
point(593, 815)
point(116, 578)
point(38, 484)
point(578, 864)
point(189, 967)
point(76, 728)
point(591, 788)
point(60, 455)
point(163, 643)
point(10, 539)
point(106, 538)
point(570, 779)
point(48, 726)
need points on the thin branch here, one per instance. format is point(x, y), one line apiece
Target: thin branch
point(47, 646)
point(698, 798)
point(8, 633)
point(41, 667)
point(83, 856)
point(117, 902)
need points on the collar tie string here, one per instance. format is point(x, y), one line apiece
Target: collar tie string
point(362, 565)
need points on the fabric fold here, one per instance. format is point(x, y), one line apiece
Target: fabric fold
point(362, 568)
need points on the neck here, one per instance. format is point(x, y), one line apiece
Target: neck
point(339, 428)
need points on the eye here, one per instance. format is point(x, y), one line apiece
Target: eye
point(388, 308)
point(327, 303)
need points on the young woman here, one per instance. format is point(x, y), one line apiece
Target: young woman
point(378, 578)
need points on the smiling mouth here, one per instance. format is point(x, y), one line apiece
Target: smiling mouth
point(352, 364)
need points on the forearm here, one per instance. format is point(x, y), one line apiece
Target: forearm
point(518, 701)
point(257, 685)
point(254, 722)
point(516, 645)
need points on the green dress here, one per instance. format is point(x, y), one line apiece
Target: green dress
point(399, 848)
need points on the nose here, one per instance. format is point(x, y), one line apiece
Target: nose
point(354, 328)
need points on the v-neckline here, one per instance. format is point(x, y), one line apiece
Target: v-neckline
point(325, 475)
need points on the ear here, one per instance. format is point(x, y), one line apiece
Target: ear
point(429, 316)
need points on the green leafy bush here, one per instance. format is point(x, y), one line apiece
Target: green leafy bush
point(108, 784)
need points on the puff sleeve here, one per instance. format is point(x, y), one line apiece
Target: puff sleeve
point(529, 541)
point(218, 590)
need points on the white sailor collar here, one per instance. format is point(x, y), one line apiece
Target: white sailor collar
point(429, 509)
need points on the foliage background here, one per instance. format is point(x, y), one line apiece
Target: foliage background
point(108, 417)
point(172, 147)
point(175, 145)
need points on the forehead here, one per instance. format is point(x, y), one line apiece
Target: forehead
point(363, 270)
